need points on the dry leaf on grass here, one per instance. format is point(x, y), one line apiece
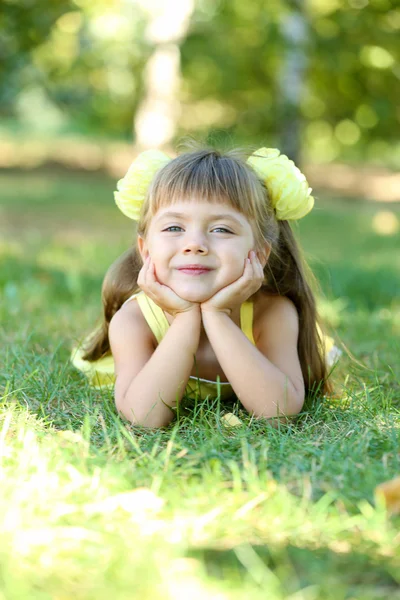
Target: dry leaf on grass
point(230, 420)
point(390, 490)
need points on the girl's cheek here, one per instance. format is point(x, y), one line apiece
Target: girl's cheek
point(161, 275)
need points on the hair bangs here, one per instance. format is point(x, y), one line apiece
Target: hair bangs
point(205, 176)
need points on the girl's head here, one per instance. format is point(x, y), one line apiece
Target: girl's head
point(211, 208)
point(208, 209)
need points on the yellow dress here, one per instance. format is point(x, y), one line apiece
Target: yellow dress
point(100, 373)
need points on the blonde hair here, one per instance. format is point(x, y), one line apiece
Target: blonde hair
point(218, 177)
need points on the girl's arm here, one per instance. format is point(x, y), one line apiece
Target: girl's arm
point(267, 379)
point(147, 376)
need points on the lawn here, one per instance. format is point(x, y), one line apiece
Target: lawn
point(94, 508)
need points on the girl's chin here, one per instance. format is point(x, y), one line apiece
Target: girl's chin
point(191, 295)
point(194, 297)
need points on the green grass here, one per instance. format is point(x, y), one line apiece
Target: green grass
point(94, 508)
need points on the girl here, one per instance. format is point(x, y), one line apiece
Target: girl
point(213, 289)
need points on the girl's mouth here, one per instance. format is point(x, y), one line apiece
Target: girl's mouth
point(194, 271)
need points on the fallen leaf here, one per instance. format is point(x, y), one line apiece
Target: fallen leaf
point(230, 420)
point(390, 490)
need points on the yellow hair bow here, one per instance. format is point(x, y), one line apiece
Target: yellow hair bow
point(133, 187)
point(287, 186)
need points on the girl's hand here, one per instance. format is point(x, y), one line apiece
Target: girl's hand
point(239, 291)
point(161, 294)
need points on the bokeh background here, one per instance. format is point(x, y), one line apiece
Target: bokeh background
point(319, 78)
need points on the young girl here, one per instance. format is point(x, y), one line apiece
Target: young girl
point(213, 299)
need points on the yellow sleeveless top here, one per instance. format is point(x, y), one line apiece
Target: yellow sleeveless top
point(100, 373)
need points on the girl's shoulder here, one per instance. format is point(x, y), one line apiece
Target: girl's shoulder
point(131, 313)
point(268, 308)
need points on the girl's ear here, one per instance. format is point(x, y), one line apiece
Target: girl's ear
point(142, 247)
point(263, 255)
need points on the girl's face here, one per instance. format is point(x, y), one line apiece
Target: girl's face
point(215, 236)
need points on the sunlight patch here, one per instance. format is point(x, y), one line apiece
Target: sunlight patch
point(385, 222)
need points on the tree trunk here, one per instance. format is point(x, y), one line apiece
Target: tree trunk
point(291, 80)
point(156, 118)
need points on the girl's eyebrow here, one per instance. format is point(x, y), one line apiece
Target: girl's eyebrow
point(178, 215)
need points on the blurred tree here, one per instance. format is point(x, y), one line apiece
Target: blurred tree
point(24, 26)
point(294, 29)
point(333, 64)
point(354, 80)
point(236, 55)
point(85, 63)
point(157, 115)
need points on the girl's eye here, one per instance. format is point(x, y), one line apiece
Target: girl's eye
point(173, 228)
point(223, 229)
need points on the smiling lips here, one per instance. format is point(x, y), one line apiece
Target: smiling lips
point(194, 269)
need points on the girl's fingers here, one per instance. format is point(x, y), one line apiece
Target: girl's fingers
point(247, 276)
point(152, 279)
point(257, 266)
point(143, 279)
point(149, 267)
point(141, 276)
point(253, 274)
point(148, 270)
point(250, 267)
point(154, 287)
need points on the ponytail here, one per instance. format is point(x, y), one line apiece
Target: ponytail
point(287, 274)
point(119, 283)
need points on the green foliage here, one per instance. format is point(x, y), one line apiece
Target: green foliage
point(78, 66)
point(24, 26)
point(235, 52)
point(72, 66)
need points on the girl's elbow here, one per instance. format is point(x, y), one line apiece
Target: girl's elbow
point(286, 416)
point(296, 399)
point(123, 411)
point(146, 420)
point(292, 405)
point(297, 403)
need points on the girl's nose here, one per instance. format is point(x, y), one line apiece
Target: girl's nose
point(196, 243)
